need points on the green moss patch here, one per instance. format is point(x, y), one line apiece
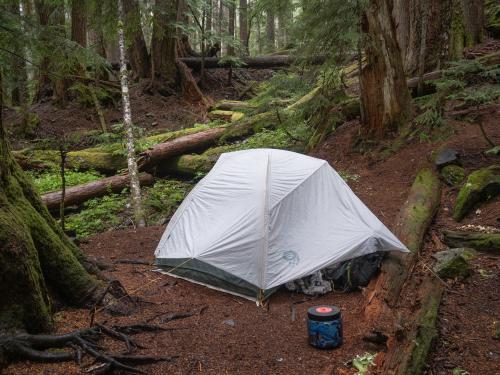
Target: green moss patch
point(453, 175)
point(481, 185)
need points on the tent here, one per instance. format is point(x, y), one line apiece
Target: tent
point(264, 217)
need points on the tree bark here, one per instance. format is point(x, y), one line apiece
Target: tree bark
point(18, 67)
point(183, 47)
point(473, 15)
point(244, 25)
point(386, 99)
point(230, 28)
point(35, 255)
point(79, 22)
point(270, 31)
point(135, 188)
point(421, 26)
point(137, 51)
point(81, 193)
point(163, 42)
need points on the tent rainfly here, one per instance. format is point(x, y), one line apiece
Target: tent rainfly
point(264, 217)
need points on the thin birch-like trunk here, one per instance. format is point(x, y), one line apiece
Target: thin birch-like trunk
point(135, 188)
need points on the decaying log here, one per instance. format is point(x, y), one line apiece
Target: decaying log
point(232, 105)
point(487, 242)
point(412, 223)
point(259, 62)
point(107, 159)
point(407, 353)
point(81, 193)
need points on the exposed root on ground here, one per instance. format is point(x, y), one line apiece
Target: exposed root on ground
point(39, 348)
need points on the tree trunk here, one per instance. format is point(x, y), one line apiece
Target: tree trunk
point(18, 67)
point(473, 15)
point(35, 255)
point(421, 26)
point(270, 31)
point(137, 50)
point(135, 188)
point(209, 17)
point(81, 193)
point(386, 99)
point(244, 25)
point(163, 42)
point(79, 22)
point(231, 27)
point(183, 47)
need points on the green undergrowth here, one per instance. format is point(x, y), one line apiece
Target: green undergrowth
point(465, 84)
point(113, 211)
point(283, 89)
point(50, 180)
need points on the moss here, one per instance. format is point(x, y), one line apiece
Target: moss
point(35, 255)
point(426, 332)
point(488, 242)
point(453, 175)
point(453, 263)
point(481, 185)
point(225, 115)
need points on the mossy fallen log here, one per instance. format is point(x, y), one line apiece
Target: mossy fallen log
point(487, 242)
point(412, 223)
point(232, 105)
point(81, 193)
point(481, 185)
point(407, 355)
point(107, 159)
point(225, 115)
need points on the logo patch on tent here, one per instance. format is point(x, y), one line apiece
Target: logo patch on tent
point(291, 257)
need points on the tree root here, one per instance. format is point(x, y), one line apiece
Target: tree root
point(84, 341)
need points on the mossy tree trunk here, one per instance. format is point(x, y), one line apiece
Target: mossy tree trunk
point(35, 255)
point(385, 96)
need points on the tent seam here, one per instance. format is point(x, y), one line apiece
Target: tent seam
point(298, 185)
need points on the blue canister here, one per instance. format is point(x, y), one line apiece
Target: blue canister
point(324, 325)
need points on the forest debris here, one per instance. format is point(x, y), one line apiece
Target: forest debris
point(487, 242)
point(481, 185)
point(81, 193)
point(225, 115)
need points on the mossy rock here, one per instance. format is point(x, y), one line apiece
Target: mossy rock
point(453, 175)
point(493, 151)
point(453, 263)
point(481, 185)
point(225, 115)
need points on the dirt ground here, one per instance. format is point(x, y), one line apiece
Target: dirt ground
point(234, 336)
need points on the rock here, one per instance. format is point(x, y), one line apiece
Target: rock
point(229, 322)
point(481, 185)
point(453, 175)
point(453, 263)
point(446, 157)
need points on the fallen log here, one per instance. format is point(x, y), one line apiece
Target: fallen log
point(232, 105)
point(481, 185)
point(81, 193)
point(411, 225)
point(487, 242)
point(407, 354)
point(106, 159)
point(259, 62)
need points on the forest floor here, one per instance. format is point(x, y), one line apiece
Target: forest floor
point(233, 335)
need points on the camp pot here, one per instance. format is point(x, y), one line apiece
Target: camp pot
point(324, 326)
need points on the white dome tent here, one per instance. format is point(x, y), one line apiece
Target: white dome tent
point(264, 217)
